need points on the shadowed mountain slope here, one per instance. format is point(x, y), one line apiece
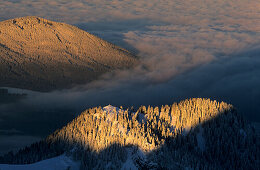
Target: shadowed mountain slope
point(43, 55)
point(193, 134)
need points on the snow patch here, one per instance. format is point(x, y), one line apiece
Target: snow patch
point(57, 163)
point(110, 111)
point(110, 108)
point(141, 161)
point(129, 163)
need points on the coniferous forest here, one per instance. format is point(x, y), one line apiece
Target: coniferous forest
point(129, 84)
point(195, 134)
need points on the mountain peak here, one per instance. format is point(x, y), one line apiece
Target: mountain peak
point(32, 47)
point(195, 133)
point(30, 21)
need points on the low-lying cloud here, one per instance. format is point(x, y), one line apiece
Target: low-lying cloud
point(186, 49)
point(233, 79)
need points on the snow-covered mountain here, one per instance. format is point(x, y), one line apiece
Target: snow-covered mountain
point(195, 134)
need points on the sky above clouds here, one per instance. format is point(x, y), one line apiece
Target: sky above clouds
point(191, 48)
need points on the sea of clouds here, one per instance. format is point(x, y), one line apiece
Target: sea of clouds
point(191, 48)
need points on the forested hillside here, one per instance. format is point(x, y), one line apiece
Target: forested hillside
point(195, 133)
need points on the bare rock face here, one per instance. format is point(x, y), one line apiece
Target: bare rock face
point(43, 55)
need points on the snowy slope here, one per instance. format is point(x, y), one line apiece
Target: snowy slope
point(129, 164)
point(110, 111)
point(58, 163)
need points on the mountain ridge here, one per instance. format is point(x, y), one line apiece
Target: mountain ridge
point(43, 55)
point(194, 133)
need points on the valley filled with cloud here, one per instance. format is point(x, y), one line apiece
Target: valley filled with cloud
point(186, 48)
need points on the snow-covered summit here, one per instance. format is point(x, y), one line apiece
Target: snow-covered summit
point(110, 109)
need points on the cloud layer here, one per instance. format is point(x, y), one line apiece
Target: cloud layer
point(187, 49)
point(170, 36)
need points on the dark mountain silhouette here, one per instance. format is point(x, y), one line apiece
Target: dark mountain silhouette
point(195, 133)
point(43, 55)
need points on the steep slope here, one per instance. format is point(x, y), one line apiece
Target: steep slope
point(44, 55)
point(193, 134)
